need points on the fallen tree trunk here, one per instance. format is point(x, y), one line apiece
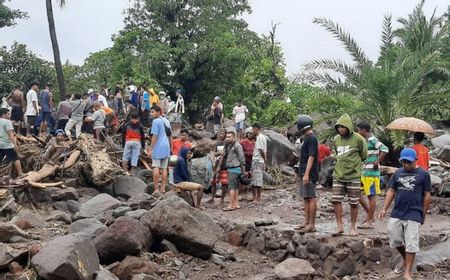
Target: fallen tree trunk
point(100, 169)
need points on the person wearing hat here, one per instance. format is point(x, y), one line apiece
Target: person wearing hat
point(56, 146)
point(410, 186)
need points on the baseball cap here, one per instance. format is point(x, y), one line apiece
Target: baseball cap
point(217, 98)
point(59, 131)
point(162, 93)
point(408, 154)
point(90, 90)
point(178, 91)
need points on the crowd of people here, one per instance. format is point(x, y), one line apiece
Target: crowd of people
point(239, 159)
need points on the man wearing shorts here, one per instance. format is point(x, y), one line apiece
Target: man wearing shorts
point(239, 113)
point(17, 102)
point(32, 106)
point(351, 151)
point(133, 140)
point(258, 160)
point(160, 148)
point(370, 180)
point(46, 99)
point(411, 188)
point(308, 171)
point(8, 143)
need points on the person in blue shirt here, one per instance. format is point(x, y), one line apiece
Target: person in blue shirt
point(161, 145)
point(410, 186)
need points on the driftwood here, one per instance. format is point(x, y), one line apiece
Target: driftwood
point(100, 168)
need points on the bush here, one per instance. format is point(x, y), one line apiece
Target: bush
point(279, 114)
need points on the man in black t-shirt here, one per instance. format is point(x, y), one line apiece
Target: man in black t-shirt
point(309, 172)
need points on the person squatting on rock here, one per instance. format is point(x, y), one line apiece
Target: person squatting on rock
point(410, 186)
point(351, 150)
point(235, 164)
point(161, 145)
point(56, 146)
point(258, 160)
point(308, 171)
point(133, 141)
point(8, 143)
point(370, 180)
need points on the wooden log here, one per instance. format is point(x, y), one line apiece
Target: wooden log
point(46, 185)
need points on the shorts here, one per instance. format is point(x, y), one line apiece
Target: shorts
point(47, 117)
point(162, 163)
point(233, 180)
point(223, 178)
point(239, 125)
point(10, 154)
point(131, 152)
point(258, 174)
point(404, 233)
point(31, 120)
point(352, 189)
point(16, 113)
point(308, 191)
point(370, 185)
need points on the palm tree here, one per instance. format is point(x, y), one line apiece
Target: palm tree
point(56, 54)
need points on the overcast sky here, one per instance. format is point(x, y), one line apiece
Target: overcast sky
point(86, 26)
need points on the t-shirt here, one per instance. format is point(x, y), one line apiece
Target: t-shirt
point(261, 144)
point(78, 107)
point(161, 149)
point(309, 148)
point(177, 144)
point(145, 101)
point(103, 100)
point(410, 187)
point(217, 115)
point(45, 101)
point(422, 156)
point(99, 119)
point(374, 148)
point(31, 96)
point(324, 152)
point(5, 127)
point(239, 113)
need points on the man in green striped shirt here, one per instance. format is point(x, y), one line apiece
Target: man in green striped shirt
point(370, 180)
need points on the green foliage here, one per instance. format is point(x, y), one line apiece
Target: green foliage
point(8, 16)
point(279, 114)
point(19, 67)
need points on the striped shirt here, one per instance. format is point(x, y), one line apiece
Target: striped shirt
point(374, 147)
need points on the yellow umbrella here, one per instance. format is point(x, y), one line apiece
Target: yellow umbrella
point(411, 124)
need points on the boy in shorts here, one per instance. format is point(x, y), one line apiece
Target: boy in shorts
point(411, 188)
point(351, 151)
point(133, 141)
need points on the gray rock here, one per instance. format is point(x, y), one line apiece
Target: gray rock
point(128, 186)
point(444, 153)
point(71, 257)
point(357, 246)
point(313, 246)
point(294, 269)
point(278, 255)
point(65, 194)
point(374, 254)
point(121, 211)
point(325, 251)
point(137, 214)
point(434, 255)
point(291, 247)
point(43, 195)
point(105, 275)
point(441, 141)
point(193, 231)
point(256, 243)
point(35, 220)
point(301, 252)
point(9, 254)
point(97, 205)
point(344, 268)
point(70, 206)
point(435, 180)
point(273, 244)
point(126, 236)
point(288, 171)
point(143, 201)
point(9, 231)
point(445, 189)
point(60, 216)
point(279, 149)
point(87, 227)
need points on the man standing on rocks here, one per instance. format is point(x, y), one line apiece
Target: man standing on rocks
point(17, 101)
point(258, 160)
point(376, 152)
point(351, 151)
point(411, 188)
point(161, 144)
point(308, 171)
point(133, 140)
point(32, 106)
point(239, 113)
point(8, 143)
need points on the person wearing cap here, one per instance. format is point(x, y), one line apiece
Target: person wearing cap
point(56, 146)
point(240, 112)
point(410, 186)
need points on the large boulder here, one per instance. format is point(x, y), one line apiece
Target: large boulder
point(294, 269)
point(70, 257)
point(87, 227)
point(279, 149)
point(128, 186)
point(434, 255)
point(97, 205)
point(191, 230)
point(444, 153)
point(326, 172)
point(105, 275)
point(126, 236)
point(441, 141)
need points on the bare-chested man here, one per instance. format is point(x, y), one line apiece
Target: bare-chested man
point(17, 101)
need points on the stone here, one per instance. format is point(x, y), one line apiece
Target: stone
point(143, 201)
point(427, 267)
point(301, 252)
point(128, 186)
point(219, 260)
point(105, 275)
point(8, 231)
point(68, 193)
point(43, 195)
point(278, 255)
point(326, 171)
point(273, 244)
point(441, 141)
point(356, 246)
point(374, 254)
point(87, 227)
point(256, 244)
point(191, 230)
point(445, 189)
point(23, 225)
point(8, 254)
point(70, 206)
point(435, 180)
point(341, 254)
point(344, 268)
point(58, 215)
point(291, 247)
point(120, 211)
point(72, 182)
point(313, 246)
point(288, 171)
point(132, 265)
point(136, 214)
point(299, 239)
point(235, 238)
point(34, 219)
point(97, 205)
point(69, 257)
point(279, 149)
point(325, 251)
point(444, 153)
point(15, 268)
point(434, 255)
point(294, 269)
point(126, 236)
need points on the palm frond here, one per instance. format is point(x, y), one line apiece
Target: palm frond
point(344, 37)
point(387, 36)
point(333, 64)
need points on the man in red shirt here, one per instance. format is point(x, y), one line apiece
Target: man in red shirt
point(324, 152)
point(421, 150)
point(181, 142)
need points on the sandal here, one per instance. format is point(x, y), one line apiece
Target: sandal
point(399, 268)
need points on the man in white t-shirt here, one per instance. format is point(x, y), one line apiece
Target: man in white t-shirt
point(258, 160)
point(32, 106)
point(239, 114)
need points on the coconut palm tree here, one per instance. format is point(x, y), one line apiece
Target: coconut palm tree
point(56, 54)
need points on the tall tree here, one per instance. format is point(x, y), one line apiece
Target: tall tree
point(56, 54)
point(8, 16)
